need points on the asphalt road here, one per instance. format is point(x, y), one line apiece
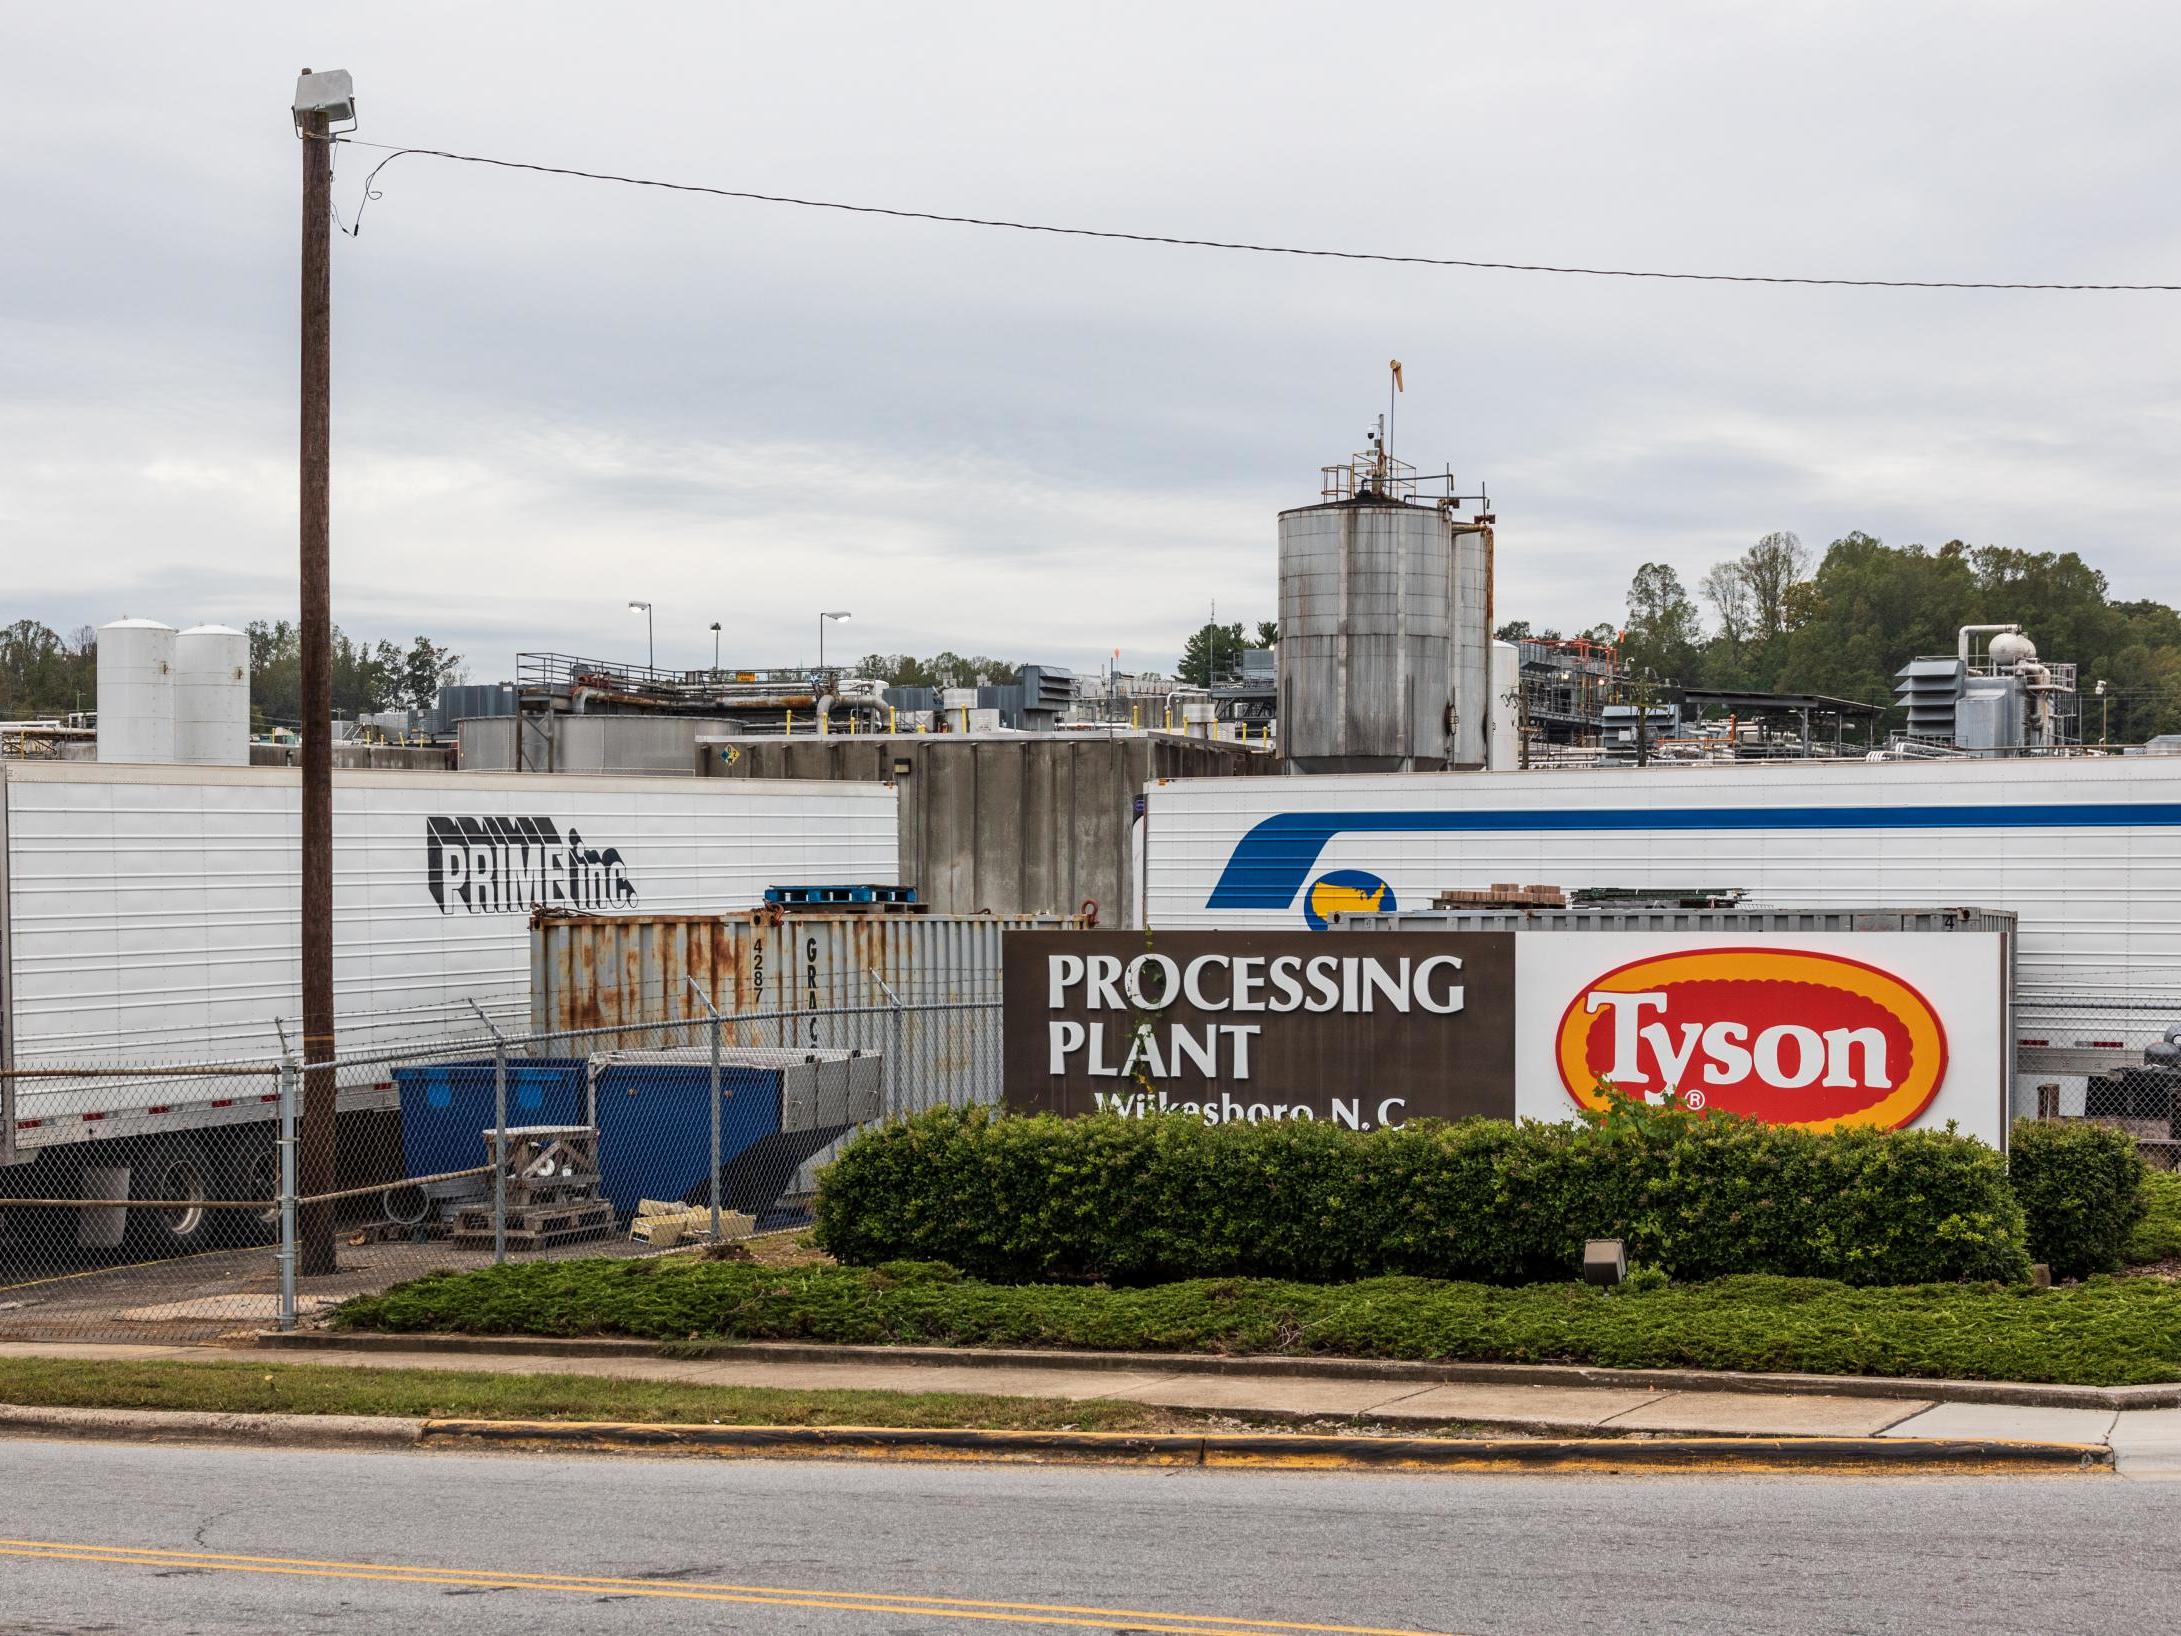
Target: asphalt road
point(111, 1538)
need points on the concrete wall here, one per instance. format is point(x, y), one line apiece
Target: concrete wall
point(1017, 825)
point(398, 757)
point(562, 742)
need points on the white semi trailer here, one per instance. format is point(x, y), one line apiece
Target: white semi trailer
point(150, 917)
point(2086, 851)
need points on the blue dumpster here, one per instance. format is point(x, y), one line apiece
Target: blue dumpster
point(655, 1125)
point(446, 1106)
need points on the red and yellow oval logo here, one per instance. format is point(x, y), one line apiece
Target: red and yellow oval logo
point(1787, 1036)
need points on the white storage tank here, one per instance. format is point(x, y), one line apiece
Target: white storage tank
point(136, 691)
point(1504, 752)
point(212, 696)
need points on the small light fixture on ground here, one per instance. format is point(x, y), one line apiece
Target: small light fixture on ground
point(1605, 1261)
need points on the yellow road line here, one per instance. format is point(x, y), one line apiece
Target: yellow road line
point(936, 1607)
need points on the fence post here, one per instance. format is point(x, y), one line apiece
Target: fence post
point(712, 1185)
point(892, 1069)
point(499, 1137)
point(285, 1145)
point(499, 1150)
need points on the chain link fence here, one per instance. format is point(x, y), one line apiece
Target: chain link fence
point(2105, 1056)
point(188, 1201)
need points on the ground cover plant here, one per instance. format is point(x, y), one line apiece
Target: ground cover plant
point(2104, 1332)
point(1160, 1198)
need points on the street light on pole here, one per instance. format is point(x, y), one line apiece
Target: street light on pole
point(651, 652)
point(715, 646)
point(822, 618)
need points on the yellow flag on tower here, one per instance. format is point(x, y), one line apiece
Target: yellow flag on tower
point(1395, 366)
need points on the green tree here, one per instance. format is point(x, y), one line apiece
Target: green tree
point(44, 674)
point(425, 669)
point(1663, 628)
point(1213, 652)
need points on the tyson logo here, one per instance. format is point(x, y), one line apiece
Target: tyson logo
point(1787, 1036)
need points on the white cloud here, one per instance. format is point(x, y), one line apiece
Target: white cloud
point(553, 395)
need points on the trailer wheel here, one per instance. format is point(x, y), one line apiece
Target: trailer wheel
point(172, 1168)
point(252, 1171)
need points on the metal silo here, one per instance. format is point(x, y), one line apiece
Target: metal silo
point(212, 696)
point(1385, 627)
point(136, 691)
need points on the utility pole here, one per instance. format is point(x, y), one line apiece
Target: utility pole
point(320, 99)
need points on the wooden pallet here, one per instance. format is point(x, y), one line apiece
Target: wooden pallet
point(534, 1227)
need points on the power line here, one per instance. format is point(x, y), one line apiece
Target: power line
point(394, 153)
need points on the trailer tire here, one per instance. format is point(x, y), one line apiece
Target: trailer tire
point(172, 1167)
point(252, 1172)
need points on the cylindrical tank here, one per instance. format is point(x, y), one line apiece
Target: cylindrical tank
point(1385, 642)
point(212, 696)
point(1504, 737)
point(136, 691)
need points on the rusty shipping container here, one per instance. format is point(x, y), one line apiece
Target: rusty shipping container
point(922, 991)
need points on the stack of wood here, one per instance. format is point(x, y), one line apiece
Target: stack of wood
point(1502, 895)
point(664, 1223)
point(552, 1191)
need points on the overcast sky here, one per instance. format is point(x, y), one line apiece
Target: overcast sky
point(552, 396)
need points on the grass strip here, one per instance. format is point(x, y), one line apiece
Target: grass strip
point(254, 1388)
point(2106, 1332)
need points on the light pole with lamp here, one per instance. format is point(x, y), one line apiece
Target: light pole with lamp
point(822, 618)
point(715, 647)
point(651, 651)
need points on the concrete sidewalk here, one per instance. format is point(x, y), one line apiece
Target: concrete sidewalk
point(2146, 1442)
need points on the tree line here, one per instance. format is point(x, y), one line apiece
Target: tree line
point(940, 670)
point(1778, 619)
point(43, 673)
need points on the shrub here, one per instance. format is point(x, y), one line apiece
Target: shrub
point(2081, 1187)
point(1015, 1198)
point(2157, 1237)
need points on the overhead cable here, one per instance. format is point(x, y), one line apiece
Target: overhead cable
point(899, 213)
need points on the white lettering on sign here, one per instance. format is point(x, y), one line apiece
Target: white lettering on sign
point(1346, 1112)
point(1786, 1056)
point(1361, 984)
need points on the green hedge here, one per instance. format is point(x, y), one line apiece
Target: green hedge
point(2081, 1187)
point(1146, 1200)
point(2157, 1237)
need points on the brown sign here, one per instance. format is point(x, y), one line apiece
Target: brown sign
point(1364, 1029)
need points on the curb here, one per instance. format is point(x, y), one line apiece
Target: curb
point(2025, 1394)
point(315, 1431)
point(1273, 1450)
point(1263, 1450)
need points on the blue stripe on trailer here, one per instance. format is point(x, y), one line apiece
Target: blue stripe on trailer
point(1269, 865)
